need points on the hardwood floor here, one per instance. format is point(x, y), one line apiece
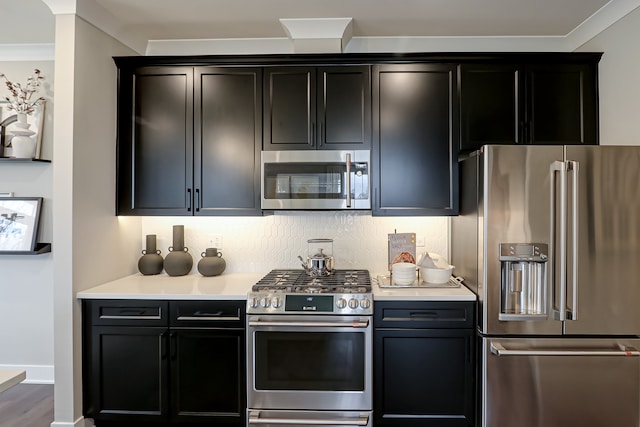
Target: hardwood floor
point(27, 405)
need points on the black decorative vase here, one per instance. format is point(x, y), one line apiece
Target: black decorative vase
point(211, 263)
point(151, 261)
point(178, 261)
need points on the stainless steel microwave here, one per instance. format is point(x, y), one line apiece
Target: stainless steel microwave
point(315, 180)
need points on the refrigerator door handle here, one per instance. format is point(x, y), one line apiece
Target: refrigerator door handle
point(500, 350)
point(574, 167)
point(560, 310)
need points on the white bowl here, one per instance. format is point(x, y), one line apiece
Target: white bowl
point(403, 273)
point(436, 275)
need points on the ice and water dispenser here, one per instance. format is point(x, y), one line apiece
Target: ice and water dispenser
point(524, 281)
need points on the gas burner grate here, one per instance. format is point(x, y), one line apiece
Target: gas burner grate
point(297, 281)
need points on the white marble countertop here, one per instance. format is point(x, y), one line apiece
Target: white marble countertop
point(236, 286)
point(11, 377)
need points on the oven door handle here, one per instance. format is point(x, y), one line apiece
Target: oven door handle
point(362, 420)
point(361, 323)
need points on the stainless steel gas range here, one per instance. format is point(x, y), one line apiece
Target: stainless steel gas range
point(309, 345)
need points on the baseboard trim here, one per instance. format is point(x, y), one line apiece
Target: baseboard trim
point(36, 374)
point(80, 422)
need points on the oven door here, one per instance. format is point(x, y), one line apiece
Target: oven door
point(309, 362)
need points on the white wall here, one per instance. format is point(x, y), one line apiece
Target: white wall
point(619, 80)
point(90, 242)
point(26, 281)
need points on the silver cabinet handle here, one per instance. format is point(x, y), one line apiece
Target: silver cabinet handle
point(348, 184)
point(218, 318)
point(347, 324)
point(360, 421)
point(500, 350)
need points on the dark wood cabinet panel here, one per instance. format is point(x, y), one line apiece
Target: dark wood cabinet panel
point(308, 108)
point(548, 103)
point(207, 375)
point(424, 366)
point(128, 373)
point(155, 141)
point(562, 106)
point(228, 137)
point(189, 371)
point(415, 116)
point(490, 110)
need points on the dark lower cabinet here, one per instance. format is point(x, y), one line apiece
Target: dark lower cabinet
point(159, 363)
point(424, 364)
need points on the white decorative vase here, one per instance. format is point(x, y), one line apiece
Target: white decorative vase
point(24, 146)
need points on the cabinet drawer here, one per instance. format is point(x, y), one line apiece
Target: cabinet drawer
point(424, 314)
point(126, 312)
point(207, 314)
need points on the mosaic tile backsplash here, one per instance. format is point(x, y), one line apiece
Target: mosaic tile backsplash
point(260, 244)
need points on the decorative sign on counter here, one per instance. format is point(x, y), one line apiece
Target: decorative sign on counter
point(402, 248)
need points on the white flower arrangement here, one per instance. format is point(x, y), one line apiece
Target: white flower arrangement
point(21, 99)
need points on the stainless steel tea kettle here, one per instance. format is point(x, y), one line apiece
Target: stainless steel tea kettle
point(319, 258)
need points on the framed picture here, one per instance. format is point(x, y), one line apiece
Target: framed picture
point(19, 220)
point(9, 117)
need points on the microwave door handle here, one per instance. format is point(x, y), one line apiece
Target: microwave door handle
point(560, 257)
point(574, 167)
point(348, 183)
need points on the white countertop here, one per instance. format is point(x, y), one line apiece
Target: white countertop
point(11, 377)
point(231, 286)
point(236, 286)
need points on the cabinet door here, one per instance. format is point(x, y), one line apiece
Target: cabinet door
point(208, 376)
point(562, 107)
point(424, 377)
point(228, 139)
point(344, 108)
point(490, 105)
point(155, 141)
point(290, 108)
point(126, 374)
point(416, 133)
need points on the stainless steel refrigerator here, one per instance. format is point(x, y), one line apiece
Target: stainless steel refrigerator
point(548, 237)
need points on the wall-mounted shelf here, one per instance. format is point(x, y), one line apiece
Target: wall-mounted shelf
point(14, 160)
point(41, 248)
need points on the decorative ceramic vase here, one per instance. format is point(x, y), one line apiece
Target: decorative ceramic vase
point(151, 261)
point(211, 263)
point(178, 261)
point(23, 146)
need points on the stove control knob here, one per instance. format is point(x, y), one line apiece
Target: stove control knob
point(341, 303)
point(365, 303)
point(353, 303)
point(265, 302)
point(255, 302)
point(276, 302)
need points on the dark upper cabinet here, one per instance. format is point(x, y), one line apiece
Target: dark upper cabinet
point(528, 103)
point(415, 116)
point(228, 137)
point(189, 141)
point(308, 108)
point(155, 141)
